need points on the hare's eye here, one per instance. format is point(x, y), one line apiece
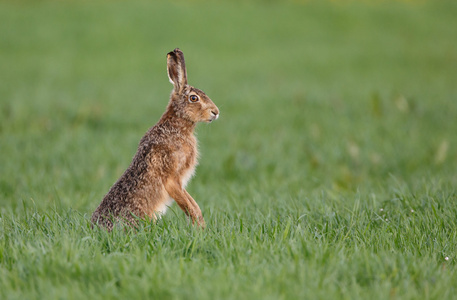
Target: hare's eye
point(193, 98)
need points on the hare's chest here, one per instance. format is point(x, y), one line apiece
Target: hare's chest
point(187, 163)
point(187, 175)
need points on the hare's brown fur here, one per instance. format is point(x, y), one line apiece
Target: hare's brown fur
point(166, 158)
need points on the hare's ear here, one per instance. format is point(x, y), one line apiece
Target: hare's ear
point(177, 69)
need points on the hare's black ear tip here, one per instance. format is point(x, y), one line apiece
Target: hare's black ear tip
point(174, 52)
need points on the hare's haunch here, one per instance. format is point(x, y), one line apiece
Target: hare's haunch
point(165, 160)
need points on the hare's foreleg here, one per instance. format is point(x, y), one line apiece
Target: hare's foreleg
point(199, 219)
point(185, 201)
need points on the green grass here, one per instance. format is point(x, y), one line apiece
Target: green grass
point(331, 173)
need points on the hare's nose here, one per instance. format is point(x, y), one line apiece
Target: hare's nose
point(215, 113)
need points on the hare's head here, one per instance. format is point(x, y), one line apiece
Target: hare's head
point(188, 102)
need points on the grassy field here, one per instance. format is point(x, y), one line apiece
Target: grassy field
point(331, 173)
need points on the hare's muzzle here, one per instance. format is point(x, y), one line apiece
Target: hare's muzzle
point(214, 114)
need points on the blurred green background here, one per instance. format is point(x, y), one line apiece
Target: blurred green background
point(330, 111)
point(313, 94)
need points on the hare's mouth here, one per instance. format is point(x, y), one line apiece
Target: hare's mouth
point(214, 116)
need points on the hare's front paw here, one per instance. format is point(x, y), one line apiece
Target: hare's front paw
point(201, 223)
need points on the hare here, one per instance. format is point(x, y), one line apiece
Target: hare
point(165, 160)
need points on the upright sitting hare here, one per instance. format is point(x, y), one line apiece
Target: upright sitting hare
point(166, 158)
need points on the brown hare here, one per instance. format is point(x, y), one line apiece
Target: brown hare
point(165, 160)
